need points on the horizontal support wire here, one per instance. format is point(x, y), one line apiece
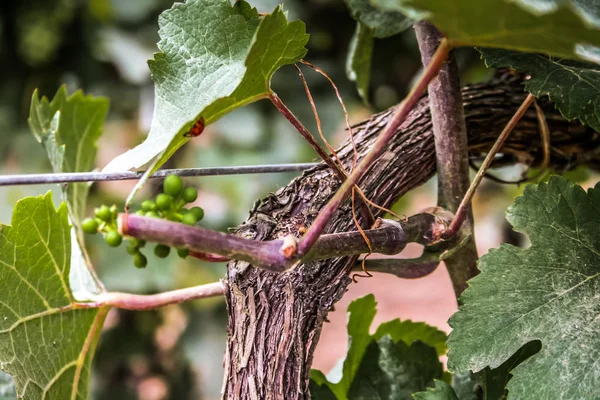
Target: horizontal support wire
point(40, 179)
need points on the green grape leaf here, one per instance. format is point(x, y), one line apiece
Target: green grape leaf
point(574, 86)
point(46, 339)
point(214, 58)
point(409, 332)
point(567, 28)
point(393, 337)
point(547, 292)
point(441, 391)
point(7, 387)
point(494, 381)
point(394, 370)
point(69, 127)
point(383, 23)
point(318, 386)
point(358, 63)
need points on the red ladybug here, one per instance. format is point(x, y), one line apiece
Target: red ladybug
point(197, 129)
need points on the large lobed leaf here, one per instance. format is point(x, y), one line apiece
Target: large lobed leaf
point(358, 62)
point(46, 341)
point(547, 292)
point(573, 86)
point(69, 127)
point(399, 359)
point(383, 23)
point(371, 23)
point(441, 391)
point(214, 58)
point(564, 28)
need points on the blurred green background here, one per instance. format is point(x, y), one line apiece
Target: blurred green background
point(101, 46)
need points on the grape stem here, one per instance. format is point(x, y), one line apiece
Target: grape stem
point(387, 237)
point(140, 302)
point(325, 215)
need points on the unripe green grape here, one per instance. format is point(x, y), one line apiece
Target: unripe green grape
point(90, 225)
point(198, 212)
point(114, 211)
point(173, 185)
point(103, 213)
point(164, 201)
point(162, 251)
point(141, 243)
point(141, 213)
point(183, 252)
point(113, 239)
point(152, 214)
point(148, 205)
point(189, 218)
point(190, 194)
point(140, 260)
point(132, 249)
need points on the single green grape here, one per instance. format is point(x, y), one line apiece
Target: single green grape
point(132, 249)
point(90, 225)
point(148, 205)
point(140, 260)
point(152, 214)
point(141, 243)
point(198, 212)
point(141, 213)
point(189, 218)
point(113, 239)
point(183, 252)
point(114, 211)
point(103, 213)
point(173, 185)
point(164, 201)
point(190, 194)
point(162, 251)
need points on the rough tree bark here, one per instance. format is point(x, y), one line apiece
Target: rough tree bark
point(275, 319)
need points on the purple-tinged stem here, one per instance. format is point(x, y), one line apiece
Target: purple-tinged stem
point(406, 268)
point(140, 302)
point(318, 226)
point(459, 218)
point(388, 237)
point(289, 115)
point(265, 254)
point(451, 149)
point(341, 174)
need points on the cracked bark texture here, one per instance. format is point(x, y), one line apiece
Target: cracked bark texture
point(275, 319)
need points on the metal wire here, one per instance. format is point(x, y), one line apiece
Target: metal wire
point(40, 179)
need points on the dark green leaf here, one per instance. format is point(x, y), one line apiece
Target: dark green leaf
point(547, 292)
point(383, 23)
point(319, 390)
point(493, 381)
point(568, 29)
point(358, 64)
point(409, 337)
point(394, 370)
point(214, 58)
point(466, 386)
point(69, 127)
point(572, 85)
point(441, 391)
point(46, 341)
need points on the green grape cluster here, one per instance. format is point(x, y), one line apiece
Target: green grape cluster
point(167, 205)
point(105, 221)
